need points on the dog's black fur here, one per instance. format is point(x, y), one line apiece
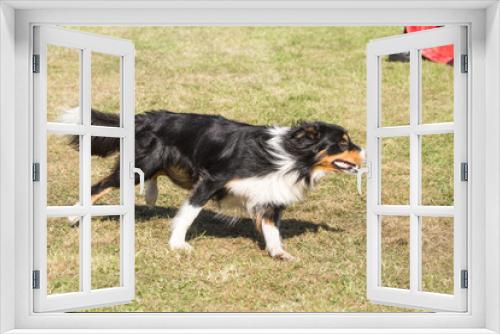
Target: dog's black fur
point(206, 152)
point(212, 148)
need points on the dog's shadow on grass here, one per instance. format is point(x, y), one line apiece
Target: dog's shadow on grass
point(210, 223)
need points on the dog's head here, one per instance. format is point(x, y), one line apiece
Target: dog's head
point(329, 147)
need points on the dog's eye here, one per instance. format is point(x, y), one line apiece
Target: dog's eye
point(343, 144)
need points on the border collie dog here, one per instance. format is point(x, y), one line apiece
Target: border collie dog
point(259, 168)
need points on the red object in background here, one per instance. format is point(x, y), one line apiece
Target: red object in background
point(440, 54)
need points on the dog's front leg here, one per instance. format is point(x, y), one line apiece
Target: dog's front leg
point(180, 225)
point(188, 213)
point(268, 220)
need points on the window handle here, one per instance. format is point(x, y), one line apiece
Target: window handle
point(138, 171)
point(359, 176)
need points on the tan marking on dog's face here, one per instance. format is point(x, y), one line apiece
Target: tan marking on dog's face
point(325, 161)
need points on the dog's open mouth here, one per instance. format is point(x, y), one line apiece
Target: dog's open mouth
point(344, 165)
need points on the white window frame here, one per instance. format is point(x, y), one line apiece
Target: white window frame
point(86, 44)
point(413, 43)
point(16, 20)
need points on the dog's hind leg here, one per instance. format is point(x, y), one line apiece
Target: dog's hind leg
point(106, 185)
point(99, 190)
point(188, 213)
point(152, 191)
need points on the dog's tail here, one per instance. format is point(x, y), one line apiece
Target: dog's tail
point(100, 146)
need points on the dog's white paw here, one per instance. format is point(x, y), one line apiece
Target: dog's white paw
point(179, 245)
point(73, 221)
point(281, 255)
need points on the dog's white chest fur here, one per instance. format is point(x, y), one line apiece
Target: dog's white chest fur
point(276, 188)
point(280, 187)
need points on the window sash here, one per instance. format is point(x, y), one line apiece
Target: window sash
point(414, 296)
point(86, 297)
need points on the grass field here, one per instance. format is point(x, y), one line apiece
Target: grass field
point(261, 75)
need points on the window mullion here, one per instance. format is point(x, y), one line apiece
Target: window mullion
point(85, 232)
point(415, 254)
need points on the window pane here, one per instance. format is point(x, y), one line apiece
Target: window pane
point(106, 85)
point(437, 86)
point(395, 255)
point(395, 91)
point(437, 169)
point(63, 256)
point(105, 252)
point(105, 172)
point(395, 170)
point(437, 254)
point(63, 84)
point(63, 170)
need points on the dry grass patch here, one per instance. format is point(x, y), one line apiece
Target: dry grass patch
point(260, 75)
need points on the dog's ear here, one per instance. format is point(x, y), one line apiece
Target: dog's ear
point(306, 132)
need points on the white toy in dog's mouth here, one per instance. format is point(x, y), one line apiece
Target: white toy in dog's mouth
point(345, 165)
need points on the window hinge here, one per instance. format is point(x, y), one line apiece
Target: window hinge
point(36, 279)
point(464, 279)
point(36, 172)
point(464, 171)
point(36, 63)
point(465, 64)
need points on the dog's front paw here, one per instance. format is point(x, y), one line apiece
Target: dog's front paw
point(179, 245)
point(282, 255)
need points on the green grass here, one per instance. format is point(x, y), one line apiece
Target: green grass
point(260, 75)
